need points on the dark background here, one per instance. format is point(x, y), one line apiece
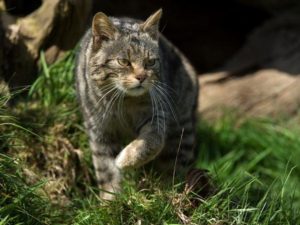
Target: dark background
point(208, 32)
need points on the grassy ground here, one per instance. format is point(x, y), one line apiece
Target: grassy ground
point(46, 175)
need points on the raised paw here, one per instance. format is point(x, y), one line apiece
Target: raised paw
point(131, 156)
point(136, 154)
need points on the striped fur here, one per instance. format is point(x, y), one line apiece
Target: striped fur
point(133, 85)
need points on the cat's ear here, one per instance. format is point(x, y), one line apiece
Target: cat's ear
point(151, 25)
point(102, 29)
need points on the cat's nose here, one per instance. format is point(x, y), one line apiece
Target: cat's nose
point(141, 77)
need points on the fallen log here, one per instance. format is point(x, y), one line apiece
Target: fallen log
point(54, 27)
point(262, 79)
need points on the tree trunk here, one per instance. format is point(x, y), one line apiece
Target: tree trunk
point(54, 27)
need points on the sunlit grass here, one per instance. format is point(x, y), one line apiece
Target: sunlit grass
point(46, 176)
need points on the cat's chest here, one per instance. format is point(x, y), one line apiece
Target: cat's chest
point(126, 118)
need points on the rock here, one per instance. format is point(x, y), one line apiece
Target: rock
point(262, 79)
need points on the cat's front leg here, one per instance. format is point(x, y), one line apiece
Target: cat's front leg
point(107, 174)
point(141, 150)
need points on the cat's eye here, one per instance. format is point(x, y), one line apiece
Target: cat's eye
point(123, 62)
point(150, 62)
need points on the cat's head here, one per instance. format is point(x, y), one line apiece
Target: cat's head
point(125, 54)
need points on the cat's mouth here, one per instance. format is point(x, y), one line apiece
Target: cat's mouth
point(137, 90)
point(138, 87)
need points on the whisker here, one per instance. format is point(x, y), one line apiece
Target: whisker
point(96, 114)
point(166, 86)
point(166, 93)
point(100, 100)
point(152, 106)
point(110, 104)
point(156, 111)
point(162, 109)
point(164, 96)
point(120, 107)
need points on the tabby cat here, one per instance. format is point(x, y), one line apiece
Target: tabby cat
point(134, 85)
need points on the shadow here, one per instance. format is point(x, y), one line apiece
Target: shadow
point(17, 66)
point(208, 32)
point(21, 7)
point(274, 45)
point(211, 144)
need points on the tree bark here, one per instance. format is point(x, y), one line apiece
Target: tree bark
point(55, 27)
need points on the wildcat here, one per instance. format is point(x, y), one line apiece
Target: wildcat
point(133, 84)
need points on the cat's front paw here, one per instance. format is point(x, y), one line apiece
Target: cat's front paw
point(131, 156)
point(125, 159)
point(121, 160)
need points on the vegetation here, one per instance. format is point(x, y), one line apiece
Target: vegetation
point(46, 175)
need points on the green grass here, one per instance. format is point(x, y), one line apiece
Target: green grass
point(46, 176)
